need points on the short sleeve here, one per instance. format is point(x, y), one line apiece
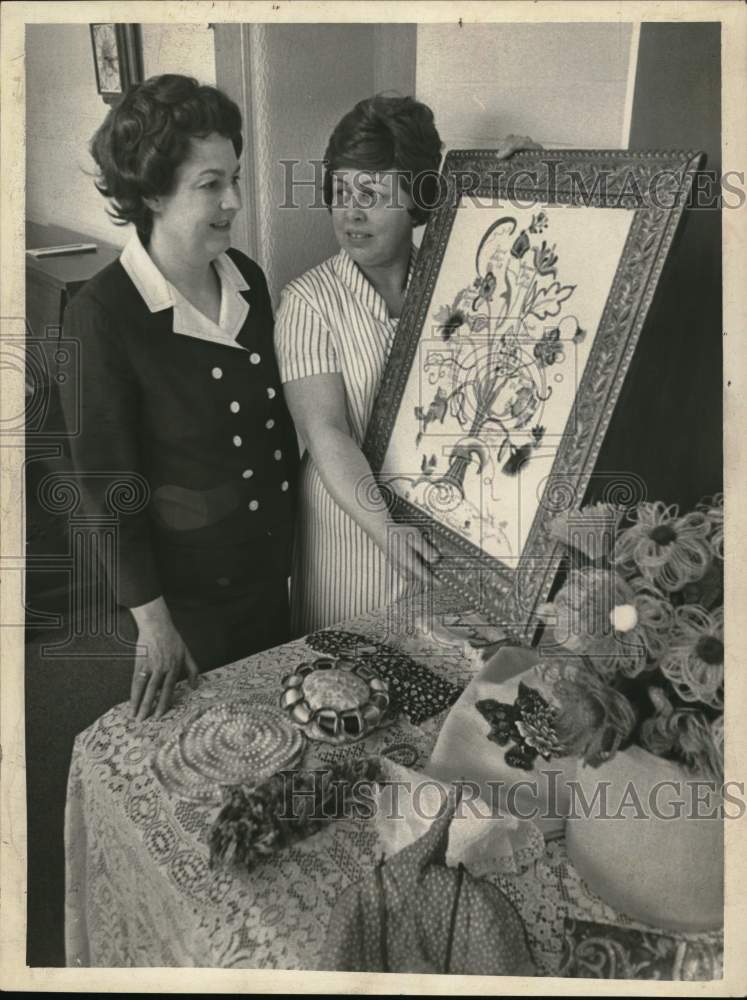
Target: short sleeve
point(303, 343)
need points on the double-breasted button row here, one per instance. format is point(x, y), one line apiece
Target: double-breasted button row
point(235, 407)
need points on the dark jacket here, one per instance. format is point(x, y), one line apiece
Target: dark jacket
point(205, 501)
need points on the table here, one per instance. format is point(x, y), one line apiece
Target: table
point(140, 892)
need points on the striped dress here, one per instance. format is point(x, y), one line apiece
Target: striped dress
point(332, 319)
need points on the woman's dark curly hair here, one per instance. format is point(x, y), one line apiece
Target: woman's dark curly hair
point(389, 133)
point(145, 139)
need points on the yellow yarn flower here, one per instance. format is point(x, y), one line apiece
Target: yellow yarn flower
point(618, 625)
point(669, 551)
point(713, 508)
point(694, 662)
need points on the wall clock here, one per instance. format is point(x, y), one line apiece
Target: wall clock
point(117, 58)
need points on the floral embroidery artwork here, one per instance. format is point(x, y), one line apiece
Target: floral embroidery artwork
point(503, 351)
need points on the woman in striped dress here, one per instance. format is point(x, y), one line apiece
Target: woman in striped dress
point(333, 333)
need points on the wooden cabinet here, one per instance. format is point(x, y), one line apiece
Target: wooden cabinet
point(50, 284)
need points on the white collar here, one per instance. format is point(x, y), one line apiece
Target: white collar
point(159, 294)
point(362, 288)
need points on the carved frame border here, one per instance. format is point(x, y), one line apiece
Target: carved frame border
point(655, 185)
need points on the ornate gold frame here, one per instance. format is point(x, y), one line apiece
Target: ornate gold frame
point(655, 186)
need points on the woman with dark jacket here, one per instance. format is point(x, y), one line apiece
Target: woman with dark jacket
point(180, 397)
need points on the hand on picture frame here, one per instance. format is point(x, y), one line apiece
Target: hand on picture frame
point(514, 144)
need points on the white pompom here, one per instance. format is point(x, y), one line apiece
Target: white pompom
point(624, 617)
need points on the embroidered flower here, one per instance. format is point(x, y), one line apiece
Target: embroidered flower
point(668, 550)
point(579, 336)
point(694, 661)
point(485, 288)
point(545, 259)
point(538, 433)
point(522, 405)
point(518, 458)
point(449, 321)
point(549, 350)
point(529, 723)
point(594, 719)
point(520, 245)
point(618, 625)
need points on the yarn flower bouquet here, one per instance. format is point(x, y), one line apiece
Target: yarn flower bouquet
point(633, 688)
point(639, 642)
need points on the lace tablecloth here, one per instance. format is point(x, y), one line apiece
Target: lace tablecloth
point(140, 892)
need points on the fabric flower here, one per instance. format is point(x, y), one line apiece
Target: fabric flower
point(529, 723)
point(545, 259)
point(618, 625)
point(449, 320)
point(714, 510)
point(694, 661)
point(685, 734)
point(593, 719)
point(549, 350)
point(668, 550)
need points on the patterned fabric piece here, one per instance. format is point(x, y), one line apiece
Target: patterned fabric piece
point(413, 914)
point(603, 951)
point(413, 688)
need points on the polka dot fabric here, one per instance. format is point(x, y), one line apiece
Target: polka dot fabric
point(413, 914)
point(414, 689)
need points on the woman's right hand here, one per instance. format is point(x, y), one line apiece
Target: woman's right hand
point(410, 552)
point(157, 673)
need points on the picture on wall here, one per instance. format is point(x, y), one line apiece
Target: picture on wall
point(527, 299)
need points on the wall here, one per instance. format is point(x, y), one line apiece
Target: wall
point(562, 84)
point(293, 84)
point(303, 79)
point(63, 110)
point(668, 424)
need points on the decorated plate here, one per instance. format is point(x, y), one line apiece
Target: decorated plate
point(335, 700)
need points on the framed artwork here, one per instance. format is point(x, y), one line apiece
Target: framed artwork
point(117, 58)
point(527, 299)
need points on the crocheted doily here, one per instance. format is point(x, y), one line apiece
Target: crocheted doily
point(229, 743)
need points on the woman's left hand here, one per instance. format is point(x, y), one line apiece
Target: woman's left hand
point(515, 143)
